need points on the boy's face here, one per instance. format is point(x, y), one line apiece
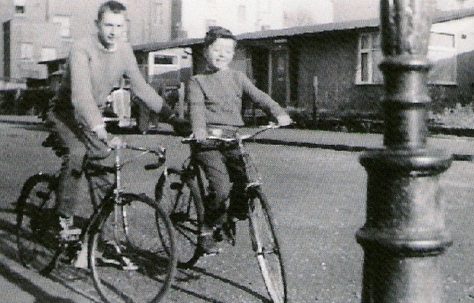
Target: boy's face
point(220, 53)
point(111, 28)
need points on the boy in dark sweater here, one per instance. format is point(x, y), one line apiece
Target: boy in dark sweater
point(215, 99)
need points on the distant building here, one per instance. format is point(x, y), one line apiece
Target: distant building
point(41, 30)
point(332, 68)
point(346, 10)
point(192, 18)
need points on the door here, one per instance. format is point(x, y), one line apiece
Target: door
point(279, 76)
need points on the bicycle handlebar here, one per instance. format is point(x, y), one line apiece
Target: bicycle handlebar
point(117, 144)
point(262, 129)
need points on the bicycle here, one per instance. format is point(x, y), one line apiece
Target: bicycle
point(125, 234)
point(180, 191)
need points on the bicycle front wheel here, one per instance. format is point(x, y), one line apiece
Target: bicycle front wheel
point(36, 233)
point(132, 265)
point(180, 200)
point(265, 245)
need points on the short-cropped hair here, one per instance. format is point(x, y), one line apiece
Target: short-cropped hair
point(216, 32)
point(113, 6)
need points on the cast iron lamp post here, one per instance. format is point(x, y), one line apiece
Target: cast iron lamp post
point(404, 233)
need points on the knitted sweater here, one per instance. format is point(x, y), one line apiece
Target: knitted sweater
point(92, 72)
point(215, 99)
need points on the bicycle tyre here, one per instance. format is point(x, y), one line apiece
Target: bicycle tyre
point(265, 245)
point(36, 233)
point(143, 247)
point(179, 196)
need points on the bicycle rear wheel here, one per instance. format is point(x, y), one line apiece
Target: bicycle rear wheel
point(179, 197)
point(133, 266)
point(265, 245)
point(36, 223)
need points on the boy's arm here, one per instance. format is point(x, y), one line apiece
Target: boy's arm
point(195, 98)
point(262, 99)
point(143, 90)
point(81, 89)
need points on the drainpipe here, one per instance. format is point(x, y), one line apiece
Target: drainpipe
point(404, 234)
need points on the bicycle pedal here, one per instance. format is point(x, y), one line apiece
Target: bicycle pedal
point(210, 254)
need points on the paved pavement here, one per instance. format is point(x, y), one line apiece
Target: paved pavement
point(462, 148)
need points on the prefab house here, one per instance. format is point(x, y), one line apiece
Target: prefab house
point(331, 70)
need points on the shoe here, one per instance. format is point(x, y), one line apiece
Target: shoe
point(112, 256)
point(207, 244)
point(67, 232)
point(238, 212)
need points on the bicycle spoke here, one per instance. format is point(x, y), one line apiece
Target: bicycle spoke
point(132, 265)
point(36, 234)
point(177, 199)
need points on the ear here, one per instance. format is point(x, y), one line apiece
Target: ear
point(97, 23)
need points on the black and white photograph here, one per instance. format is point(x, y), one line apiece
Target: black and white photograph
point(237, 151)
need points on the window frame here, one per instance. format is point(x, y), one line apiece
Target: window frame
point(452, 50)
point(369, 51)
point(372, 48)
point(19, 4)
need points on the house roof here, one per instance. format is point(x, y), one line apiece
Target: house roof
point(289, 32)
point(154, 46)
point(347, 25)
point(57, 60)
point(302, 30)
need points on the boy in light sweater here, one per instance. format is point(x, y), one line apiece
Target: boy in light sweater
point(96, 63)
point(215, 99)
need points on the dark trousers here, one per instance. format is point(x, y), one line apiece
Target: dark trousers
point(224, 169)
point(78, 143)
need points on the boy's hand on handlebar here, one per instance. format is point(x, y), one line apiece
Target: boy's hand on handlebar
point(116, 142)
point(284, 120)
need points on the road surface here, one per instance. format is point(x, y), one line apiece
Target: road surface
point(318, 197)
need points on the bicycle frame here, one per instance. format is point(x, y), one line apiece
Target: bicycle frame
point(253, 177)
point(113, 195)
point(116, 190)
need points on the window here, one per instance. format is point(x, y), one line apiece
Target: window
point(165, 60)
point(241, 13)
point(369, 57)
point(441, 52)
point(48, 53)
point(19, 7)
point(64, 25)
point(26, 51)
